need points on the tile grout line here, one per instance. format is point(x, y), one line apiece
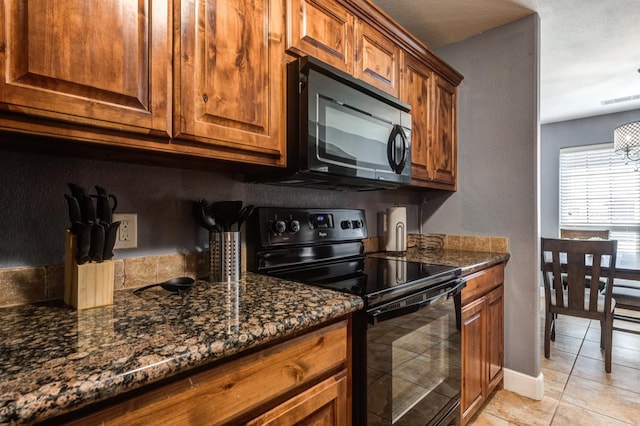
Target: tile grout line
point(571, 374)
point(564, 387)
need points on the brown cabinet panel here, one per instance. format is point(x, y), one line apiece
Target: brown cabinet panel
point(376, 59)
point(482, 282)
point(433, 115)
point(322, 405)
point(230, 93)
point(473, 356)
point(482, 338)
point(415, 89)
point(495, 334)
point(105, 64)
point(444, 143)
point(322, 29)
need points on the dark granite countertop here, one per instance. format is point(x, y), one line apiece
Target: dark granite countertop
point(54, 359)
point(469, 261)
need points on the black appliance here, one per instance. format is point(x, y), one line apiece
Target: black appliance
point(406, 347)
point(342, 133)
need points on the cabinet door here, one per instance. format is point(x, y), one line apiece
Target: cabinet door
point(473, 356)
point(99, 63)
point(230, 94)
point(325, 404)
point(322, 29)
point(415, 89)
point(444, 146)
point(376, 59)
point(495, 336)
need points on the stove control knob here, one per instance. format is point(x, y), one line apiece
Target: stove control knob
point(357, 224)
point(279, 226)
point(346, 224)
point(294, 226)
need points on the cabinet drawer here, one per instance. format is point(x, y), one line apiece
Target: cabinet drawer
point(482, 282)
point(323, 404)
point(236, 388)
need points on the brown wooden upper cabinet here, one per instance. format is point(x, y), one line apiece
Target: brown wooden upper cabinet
point(230, 84)
point(416, 90)
point(322, 29)
point(109, 65)
point(101, 63)
point(207, 78)
point(376, 59)
point(433, 114)
point(445, 145)
point(327, 30)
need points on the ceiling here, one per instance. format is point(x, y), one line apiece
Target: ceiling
point(589, 49)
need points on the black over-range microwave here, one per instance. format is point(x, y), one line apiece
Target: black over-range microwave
point(342, 133)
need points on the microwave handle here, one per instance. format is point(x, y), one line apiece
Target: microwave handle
point(397, 165)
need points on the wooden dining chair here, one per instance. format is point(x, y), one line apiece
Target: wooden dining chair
point(584, 234)
point(583, 263)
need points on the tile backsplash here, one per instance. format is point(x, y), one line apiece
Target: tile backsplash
point(19, 286)
point(458, 242)
point(24, 285)
point(445, 242)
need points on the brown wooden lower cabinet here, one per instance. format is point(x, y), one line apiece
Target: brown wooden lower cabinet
point(482, 338)
point(323, 405)
point(305, 380)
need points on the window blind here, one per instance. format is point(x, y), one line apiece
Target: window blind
point(599, 191)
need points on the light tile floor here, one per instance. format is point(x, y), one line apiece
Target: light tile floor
point(577, 389)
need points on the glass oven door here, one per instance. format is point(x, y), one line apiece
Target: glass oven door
point(414, 367)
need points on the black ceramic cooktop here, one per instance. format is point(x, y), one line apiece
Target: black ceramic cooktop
point(367, 276)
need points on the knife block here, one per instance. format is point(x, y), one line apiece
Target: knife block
point(87, 285)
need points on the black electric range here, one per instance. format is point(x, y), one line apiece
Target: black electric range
point(324, 247)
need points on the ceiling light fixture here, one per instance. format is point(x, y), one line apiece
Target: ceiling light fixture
point(626, 140)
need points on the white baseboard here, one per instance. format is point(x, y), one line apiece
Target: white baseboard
point(529, 386)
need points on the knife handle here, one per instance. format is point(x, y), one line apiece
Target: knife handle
point(97, 242)
point(110, 240)
point(76, 190)
point(75, 215)
point(87, 208)
point(83, 240)
point(104, 212)
point(115, 202)
point(101, 191)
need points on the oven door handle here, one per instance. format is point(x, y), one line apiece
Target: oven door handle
point(377, 315)
point(459, 285)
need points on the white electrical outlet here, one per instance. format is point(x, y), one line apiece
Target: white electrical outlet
point(128, 231)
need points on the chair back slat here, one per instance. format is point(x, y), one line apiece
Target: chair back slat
point(595, 282)
point(576, 277)
point(557, 278)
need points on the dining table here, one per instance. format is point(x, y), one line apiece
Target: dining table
point(628, 266)
point(626, 291)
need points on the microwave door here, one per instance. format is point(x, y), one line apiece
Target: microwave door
point(348, 141)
